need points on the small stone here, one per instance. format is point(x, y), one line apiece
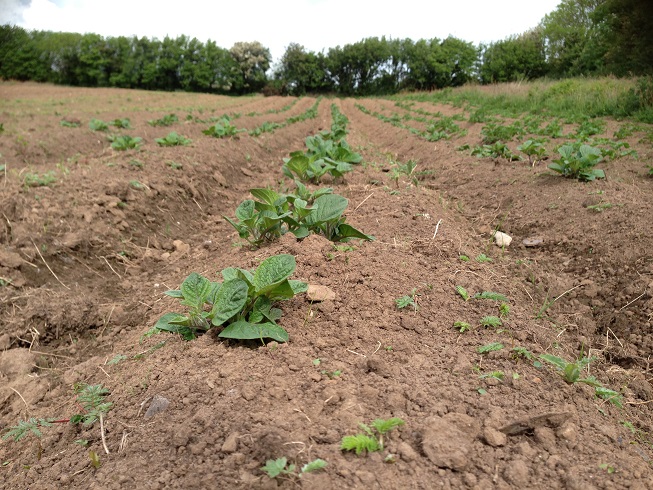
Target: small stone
point(494, 437)
point(249, 392)
point(517, 473)
point(532, 241)
point(181, 247)
point(5, 341)
point(219, 178)
point(231, 443)
point(445, 445)
point(15, 362)
point(158, 404)
point(407, 452)
point(320, 293)
point(10, 259)
point(568, 432)
point(502, 239)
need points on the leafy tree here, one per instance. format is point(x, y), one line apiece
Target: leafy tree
point(253, 61)
point(515, 58)
point(567, 31)
point(301, 72)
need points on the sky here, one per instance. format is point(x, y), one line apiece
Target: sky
point(316, 24)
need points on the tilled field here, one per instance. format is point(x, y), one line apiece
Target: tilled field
point(87, 256)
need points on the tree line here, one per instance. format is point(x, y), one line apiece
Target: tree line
point(580, 37)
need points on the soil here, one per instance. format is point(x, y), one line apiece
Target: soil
point(85, 261)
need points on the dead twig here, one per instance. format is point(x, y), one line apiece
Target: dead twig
point(46, 264)
point(104, 439)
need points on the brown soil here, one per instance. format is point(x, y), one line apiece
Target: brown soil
point(85, 261)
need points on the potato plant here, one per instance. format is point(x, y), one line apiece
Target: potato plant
point(173, 139)
point(577, 161)
point(242, 304)
point(274, 214)
point(323, 156)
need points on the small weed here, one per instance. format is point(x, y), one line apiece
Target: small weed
point(484, 349)
point(490, 321)
point(607, 468)
point(522, 352)
point(463, 258)
point(462, 326)
point(70, 123)
point(280, 467)
point(483, 258)
point(494, 374)
point(600, 206)
point(136, 164)
point(408, 300)
point(463, 293)
point(504, 310)
point(174, 165)
point(36, 180)
point(370, 440)
point(570, 371)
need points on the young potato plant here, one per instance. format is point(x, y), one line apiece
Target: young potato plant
point(534, 150)
point(274, 214)
point(370, 440)
point(124, 142)
point(577, 161)
point(242, 303)
point(124, 123)
point(97, 125)
point(222, 129)
point(167, 120)
point(323, 156)
point(173, 139)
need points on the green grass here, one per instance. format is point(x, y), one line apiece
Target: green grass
point(572, 99)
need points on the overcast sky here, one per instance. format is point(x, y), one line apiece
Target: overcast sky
point(316, 24)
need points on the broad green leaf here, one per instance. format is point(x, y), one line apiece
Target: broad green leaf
point(314, 465)
point(243, 330)
point(280, 291)
point(229, 301)
point(266, 195)
point(245, 210)
point(301, 232)
point(165, 323)
point(326, 208)
point(298, 286)
point(347, 232)
point(215, 287)
point(273, 271)
point(195, 289)
point(555, 360)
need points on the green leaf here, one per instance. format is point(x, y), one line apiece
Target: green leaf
point(298, 286)
point(384, 426)
point(195, 290)
point(314, 465)
point(273, 271)
point(326, 208)
point(229, 300)
point(491, 295)
point(347, 232)
point(165, 323)
point(462, 292)
point(174, 293)
point(274, 468)
point(266, 195)
point(244, 330)
point(555, 360)
point(245, 210)
point(490, 347)
point(360, 443)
